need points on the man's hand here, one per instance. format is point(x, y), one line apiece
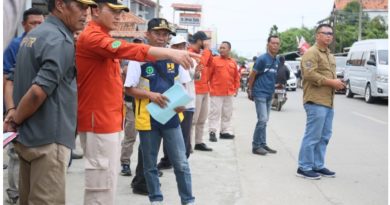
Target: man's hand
point(180, 109)
point(183, 58)
point(250, 97)
point(159, 99)
point(338, 84)
point(7, 125)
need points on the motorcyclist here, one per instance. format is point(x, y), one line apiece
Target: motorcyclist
point(283, 73)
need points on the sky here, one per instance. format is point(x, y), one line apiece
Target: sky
point(246, 23)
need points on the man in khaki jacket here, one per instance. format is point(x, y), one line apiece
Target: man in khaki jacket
point(319, 85)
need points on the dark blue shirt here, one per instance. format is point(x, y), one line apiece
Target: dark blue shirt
point(9, 55)
point(266, 67)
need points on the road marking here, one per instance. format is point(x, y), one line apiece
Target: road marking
point(370, 118)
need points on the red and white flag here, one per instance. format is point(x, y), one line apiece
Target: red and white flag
point(303, 46)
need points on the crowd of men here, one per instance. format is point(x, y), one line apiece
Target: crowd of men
point(49, 107)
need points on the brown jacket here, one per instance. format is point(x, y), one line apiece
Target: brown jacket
point(317, 65)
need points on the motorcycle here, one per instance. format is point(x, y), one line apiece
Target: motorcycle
point(279, 98)
point(244, 81)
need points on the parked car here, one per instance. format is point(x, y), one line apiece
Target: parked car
point(292, 82)
point(340, 68)
point(366, 71)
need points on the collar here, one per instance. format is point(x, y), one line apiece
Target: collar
point(270, 56)
point(56, 21)
point(322, 50)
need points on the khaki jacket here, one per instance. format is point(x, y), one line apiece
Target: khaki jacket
point(318, 65)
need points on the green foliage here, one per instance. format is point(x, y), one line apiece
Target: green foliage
point(288, 38)
point(347, 26)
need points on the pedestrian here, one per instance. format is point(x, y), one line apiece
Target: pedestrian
point(130, 131)
point(187, 79)
point(146, 82)
point(31, 19)
point(224, 85)
point(283, 73)
point(319, 85)
point(261, 88)
point(44, 103)
point(299, 77)
point(100, 96)
point(180, 43)
point(200, 43)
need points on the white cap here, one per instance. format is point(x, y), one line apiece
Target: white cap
point(178, 39)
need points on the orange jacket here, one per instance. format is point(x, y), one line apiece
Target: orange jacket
point(100, 97)
point(224, 77)
point(202, 85)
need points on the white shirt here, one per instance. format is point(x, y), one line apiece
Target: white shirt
point(134, 73)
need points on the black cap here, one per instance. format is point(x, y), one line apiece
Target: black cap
point(160, 24)
point(200, 35)
point(114, 4)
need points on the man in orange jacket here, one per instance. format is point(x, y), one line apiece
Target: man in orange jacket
point(199, 43)
point(100, 96)
point(224, 84)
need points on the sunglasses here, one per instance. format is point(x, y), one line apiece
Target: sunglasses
point(327, 33)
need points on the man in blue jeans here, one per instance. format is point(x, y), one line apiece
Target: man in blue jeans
point(319, 85)
point(261, 87)
point(146, 82)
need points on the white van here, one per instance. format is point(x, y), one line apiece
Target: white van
point(366, 71)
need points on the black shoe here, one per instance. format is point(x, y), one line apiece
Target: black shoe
point(164, 165)
point(140, 189)
point(5, 166)
point(202, 147)
point(308, 174)
point(259, 151)
point(12, 200)
point(126, 171)
point(76, 156)
point(325, 172)
point(213, 138)
point(226, 136)
point(269, 150)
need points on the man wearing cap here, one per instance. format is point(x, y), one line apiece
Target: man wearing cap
point(199, 43)
point(146, 82)
point(45, 103)
point(224, 84)
point(100, 106)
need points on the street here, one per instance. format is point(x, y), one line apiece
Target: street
point(232, 175)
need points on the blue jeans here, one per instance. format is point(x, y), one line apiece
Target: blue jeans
point(317, 134)
point(174, 143)
point(263, 109)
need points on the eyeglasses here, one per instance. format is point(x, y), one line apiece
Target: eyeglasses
point(327, 33)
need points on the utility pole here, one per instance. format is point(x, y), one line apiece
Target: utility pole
point(360, 21)
point(158, 9)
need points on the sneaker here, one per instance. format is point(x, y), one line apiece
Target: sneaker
point(75, 155)
point(226, 136)
point(326, 172)
point(259, 151)
point(12, 200)
point(126, 170)
point(269, 150)
point(213, 138)
point(140, 189)
point(202, 147)
point(164, 165)
point(308, 174)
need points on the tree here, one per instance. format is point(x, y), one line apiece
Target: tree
point(288, 38)
point(347, 24)
point(274, 31)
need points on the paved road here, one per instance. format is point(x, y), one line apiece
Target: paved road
point(232, 175)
